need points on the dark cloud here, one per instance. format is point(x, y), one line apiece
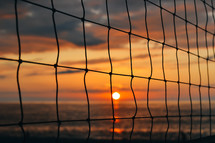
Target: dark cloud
point(36, 22)
point(5, 5)
point(105, 60)
point(33, 74)
point(2, 76)
point(59, 72)
point(141, 90)
point(70, 71)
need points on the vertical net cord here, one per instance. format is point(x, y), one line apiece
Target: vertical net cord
point(208, 76)
point(111, 66)
point(86, 70)
point(189, 73)
point(149, 78)
point(131, 66)
point(163, 69)
point(55, 66)
point(213, 16)
point(213, 27)
point(17, 73)
point(199, 69)
point(178, 71)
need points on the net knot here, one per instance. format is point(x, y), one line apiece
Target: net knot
point(55, 65)
point(20, 123)
point(82, 19)
point(53, 10)
point(59, 122)
point(20, 61)
point(110, 73)
point(109, 27)
point(114, 119)
point(86, 70)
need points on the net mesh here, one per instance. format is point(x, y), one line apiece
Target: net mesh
point(208, 59)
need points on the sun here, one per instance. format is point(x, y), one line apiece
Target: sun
point(116, 95)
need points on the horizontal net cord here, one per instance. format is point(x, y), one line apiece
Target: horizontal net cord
point(107, 119)
point(103, 72)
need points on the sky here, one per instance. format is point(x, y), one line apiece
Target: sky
point(38, 44)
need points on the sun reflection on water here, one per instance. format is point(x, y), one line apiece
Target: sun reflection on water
point(117, 130)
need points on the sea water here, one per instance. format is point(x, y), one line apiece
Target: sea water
point(40, 121)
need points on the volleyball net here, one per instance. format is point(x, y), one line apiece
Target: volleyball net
point(186, 32)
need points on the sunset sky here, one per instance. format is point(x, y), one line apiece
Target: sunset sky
point(38, 44)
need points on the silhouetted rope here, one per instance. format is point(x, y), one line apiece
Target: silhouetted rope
point(189, 72)
point(178, 72)
point(103, 72)
point(208, 77)
point(56, 70)
point(131, 65)
point(163, 69)
point(151, 69)
point(86, 70)
point(17, 74)
point(214, 27)
point(111, 70)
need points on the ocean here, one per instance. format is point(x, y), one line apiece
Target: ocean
point(40, 122)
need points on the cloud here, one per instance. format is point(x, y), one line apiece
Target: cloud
point(105, 60)
point(184, 64)
point(31, 44)
point(59, 73)
point(3, 76)
point(140, 90)
point(33, 74)
point(4, 9)
point(37, 32)
point(70, 71)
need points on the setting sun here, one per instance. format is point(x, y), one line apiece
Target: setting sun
point(116, 95)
